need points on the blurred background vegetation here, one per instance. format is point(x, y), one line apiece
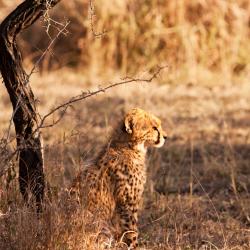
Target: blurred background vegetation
point(192, 37)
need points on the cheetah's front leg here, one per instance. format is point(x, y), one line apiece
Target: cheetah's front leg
point(128, 223)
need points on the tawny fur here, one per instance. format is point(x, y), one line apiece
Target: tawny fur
point(112, 187)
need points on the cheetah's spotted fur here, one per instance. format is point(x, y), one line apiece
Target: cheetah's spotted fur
point(113, 186)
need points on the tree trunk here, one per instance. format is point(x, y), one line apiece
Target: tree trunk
point(28, 137)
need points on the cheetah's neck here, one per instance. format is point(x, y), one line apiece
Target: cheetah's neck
point(141, 148)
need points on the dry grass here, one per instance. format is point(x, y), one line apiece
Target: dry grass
point(198, 191)
point(197, 195)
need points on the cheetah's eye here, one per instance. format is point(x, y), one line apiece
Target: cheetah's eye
point(155, 128)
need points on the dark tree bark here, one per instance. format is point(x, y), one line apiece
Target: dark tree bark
point(28, 137)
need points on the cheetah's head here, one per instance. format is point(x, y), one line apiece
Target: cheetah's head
point(145, 128)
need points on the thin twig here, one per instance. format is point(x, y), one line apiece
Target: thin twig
point(91, 17)
point(214, 208)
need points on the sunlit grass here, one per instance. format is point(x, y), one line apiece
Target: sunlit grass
point(197, 194)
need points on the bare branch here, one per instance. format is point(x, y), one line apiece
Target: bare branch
point(88, 94)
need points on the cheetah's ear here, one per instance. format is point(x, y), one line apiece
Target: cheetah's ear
point(128, 124)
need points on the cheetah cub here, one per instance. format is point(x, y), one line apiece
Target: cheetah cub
point(112, 187)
